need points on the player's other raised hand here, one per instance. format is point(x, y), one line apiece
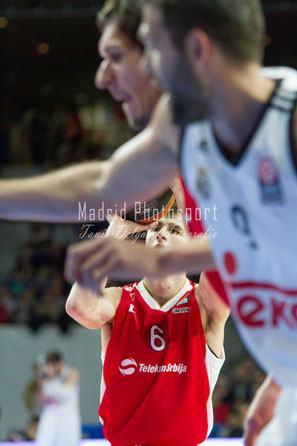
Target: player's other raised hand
point(89, 262)
point(261, 410)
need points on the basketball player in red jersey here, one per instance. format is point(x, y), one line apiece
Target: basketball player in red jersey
point(162, 350)
point(216, 66)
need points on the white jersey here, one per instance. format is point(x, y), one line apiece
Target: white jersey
point(60, 423)
point(254, 229)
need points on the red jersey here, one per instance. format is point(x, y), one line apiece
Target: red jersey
point(155, 375)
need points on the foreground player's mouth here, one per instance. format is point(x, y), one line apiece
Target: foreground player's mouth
point(160, 245)
point(120, 97)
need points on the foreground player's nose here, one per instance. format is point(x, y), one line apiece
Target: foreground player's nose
point(103, 76)
point(161, 236)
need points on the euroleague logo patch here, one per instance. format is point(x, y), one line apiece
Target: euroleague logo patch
point(202, 183)
point(269, 180)
point(128, 367)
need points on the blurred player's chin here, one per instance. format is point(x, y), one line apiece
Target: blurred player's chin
point(135, 122)
point(184, 112)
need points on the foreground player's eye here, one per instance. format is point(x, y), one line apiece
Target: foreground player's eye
point(116, 57)
point(175, 229)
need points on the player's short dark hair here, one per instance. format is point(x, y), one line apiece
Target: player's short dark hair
point(127, 13)
point(53, 357)
point(236, 26)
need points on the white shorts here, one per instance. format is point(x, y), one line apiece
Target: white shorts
point(56, 429)
point(282, 430)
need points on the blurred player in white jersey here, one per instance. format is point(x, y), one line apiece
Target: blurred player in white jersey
point(59, 423)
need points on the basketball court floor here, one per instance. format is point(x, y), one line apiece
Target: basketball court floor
point(210, 442)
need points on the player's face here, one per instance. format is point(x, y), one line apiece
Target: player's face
point(50, 370)
point(172, 69)
point(121, 74)
point(166, 233)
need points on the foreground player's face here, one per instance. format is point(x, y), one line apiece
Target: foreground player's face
point(166, 233)
point(120, 73)
point(172, 69)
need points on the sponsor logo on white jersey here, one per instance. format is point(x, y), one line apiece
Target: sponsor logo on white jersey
point(129, 367)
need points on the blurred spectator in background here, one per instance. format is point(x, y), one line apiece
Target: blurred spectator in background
point(7, 306)
point(26, 434)
point(242, 380)
point(5, 155)
point(34, 292)
point(36, 125)
point(222, 402)
point(59, 423)
point(233, 393)
point(73, 135)
point(31, 428)
point(234, 428)
point(31, 391)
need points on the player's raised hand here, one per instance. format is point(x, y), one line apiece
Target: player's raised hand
point(91, 261)
point(260, 411)
point(87, 261)
point(212, 301)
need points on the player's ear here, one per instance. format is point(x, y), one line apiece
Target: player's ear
point(198, 47)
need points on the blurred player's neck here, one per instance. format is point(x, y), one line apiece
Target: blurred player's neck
point(237, 103)
point(165, 289)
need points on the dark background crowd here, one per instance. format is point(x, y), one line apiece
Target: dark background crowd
point(33, 292)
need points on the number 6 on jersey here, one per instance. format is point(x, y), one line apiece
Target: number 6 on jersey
point(157, 342)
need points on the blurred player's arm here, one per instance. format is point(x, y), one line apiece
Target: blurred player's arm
point(90, 262)
point(261, 410)
point(214, 314)
point(87, 307)
point(73, 378)
point(141, 169)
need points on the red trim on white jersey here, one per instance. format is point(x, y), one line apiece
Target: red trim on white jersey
point(196, 228)
point(260, 285)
